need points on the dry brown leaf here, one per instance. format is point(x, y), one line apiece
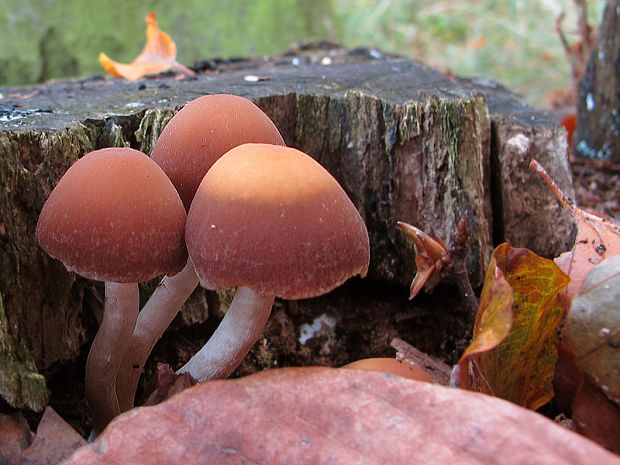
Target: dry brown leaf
point(15, 437)
point(322, 415)
point(168, 384)
point(429, 258)
point(596, 417)
point(53, 442)
point(159, 55)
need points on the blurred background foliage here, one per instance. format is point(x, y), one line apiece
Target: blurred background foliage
point(511, 41)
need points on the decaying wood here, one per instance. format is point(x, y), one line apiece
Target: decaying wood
point(405, 142)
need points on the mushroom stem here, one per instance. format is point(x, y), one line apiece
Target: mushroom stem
point(153, 319)
point(234, 337)
point(120, 311)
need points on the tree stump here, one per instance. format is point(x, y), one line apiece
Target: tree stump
point(405, 142)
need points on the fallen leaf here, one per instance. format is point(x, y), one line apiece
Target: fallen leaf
point(513, 354)
point(429, 258)
point(168, 384)
point(391, 366)
point(494, 318)
point(592, 328)
point(15, 437)
point(159, 55)
point(53, 442)
point(596, 417)
point(476, 44)
point(324, 415)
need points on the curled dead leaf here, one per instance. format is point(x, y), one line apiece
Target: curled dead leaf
point(430, 256)
point(54, 441)
point(159, 55)
point(512, 354)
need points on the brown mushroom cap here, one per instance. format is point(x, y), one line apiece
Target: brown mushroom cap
point(115, 216)
point(272, 219)
point(204, 130)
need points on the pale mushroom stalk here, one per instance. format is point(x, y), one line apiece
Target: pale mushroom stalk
point(122, 301)
point(234, 337)
point(154, 318)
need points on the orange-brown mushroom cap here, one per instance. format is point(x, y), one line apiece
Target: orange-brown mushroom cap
point(204, 130)
point(115, 216)
point(272, 219)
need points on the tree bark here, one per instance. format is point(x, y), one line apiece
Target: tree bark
point(598, 105)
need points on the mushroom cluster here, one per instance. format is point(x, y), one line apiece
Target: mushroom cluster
point(220, 188)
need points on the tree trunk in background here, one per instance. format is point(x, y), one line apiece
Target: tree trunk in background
point(598, 106)
point(405, 142)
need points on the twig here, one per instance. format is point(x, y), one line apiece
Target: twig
point(569, 203)
point(457, 268)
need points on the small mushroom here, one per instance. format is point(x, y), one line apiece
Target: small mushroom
point(204, 130)
point(115, 217)
point(270, 221)
point(200, 133)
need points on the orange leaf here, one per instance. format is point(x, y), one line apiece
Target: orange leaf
point(477, 43)
point(392, 366)
point(518, 364)
point(494, 317)
point(326, 415)
point(159, 55)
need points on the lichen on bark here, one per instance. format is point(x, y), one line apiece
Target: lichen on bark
point(42, 301)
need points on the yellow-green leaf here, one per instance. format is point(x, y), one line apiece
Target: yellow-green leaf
point(518, 366)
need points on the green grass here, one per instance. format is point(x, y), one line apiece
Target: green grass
point(511, 41)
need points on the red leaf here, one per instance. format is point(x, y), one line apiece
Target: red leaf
point(322, 415)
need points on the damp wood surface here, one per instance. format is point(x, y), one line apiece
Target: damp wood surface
point(405, 142)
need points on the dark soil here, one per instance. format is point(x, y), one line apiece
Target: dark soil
point(367, 316)
point(597, 186)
